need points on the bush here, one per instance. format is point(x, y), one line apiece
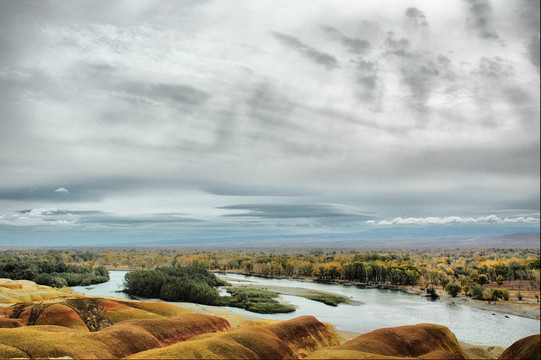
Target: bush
point(431, 291)
point(453, 289)
point(505, 294)
point(519, 295)
point(328, 299)
point(477, 292)
point(494, 294)
point(256, 300)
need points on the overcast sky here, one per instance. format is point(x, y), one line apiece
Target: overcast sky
point(189, 119)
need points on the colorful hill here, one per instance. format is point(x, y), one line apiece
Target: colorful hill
point(291, 339)
point(14, 291)
point(416, 341)
point(525, 348)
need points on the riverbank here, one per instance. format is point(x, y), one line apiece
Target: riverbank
point(524, 309)
point(527, 308)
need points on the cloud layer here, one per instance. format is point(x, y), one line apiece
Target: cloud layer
point(278, 116)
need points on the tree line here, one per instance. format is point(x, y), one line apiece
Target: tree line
point(421, 267)
point(51, 272)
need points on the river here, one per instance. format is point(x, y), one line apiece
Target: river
point(379, 308)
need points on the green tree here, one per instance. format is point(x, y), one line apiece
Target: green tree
point(453, 289)
point(477, 292)
point(431, 291)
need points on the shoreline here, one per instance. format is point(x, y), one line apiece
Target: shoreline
point(526, 309)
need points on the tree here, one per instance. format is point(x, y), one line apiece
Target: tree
point(505, 294)
point(483, 279)
point(477, 292)
point(453, 289)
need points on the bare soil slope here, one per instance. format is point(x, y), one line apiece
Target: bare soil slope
point(416, 341)
point(291, 339)
point(525, 348)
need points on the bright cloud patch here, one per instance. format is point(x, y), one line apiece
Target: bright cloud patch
point(491, 219)
point(62, 190)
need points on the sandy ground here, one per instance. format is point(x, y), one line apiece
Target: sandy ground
point(525, 309)
point(528, 308)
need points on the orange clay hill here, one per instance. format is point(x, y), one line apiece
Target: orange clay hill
point(291, 339)
point(525, 348)
point(41, 322)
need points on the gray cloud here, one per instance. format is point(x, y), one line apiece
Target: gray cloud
point(367, 78)
point(419, 80)
point(530, 14)
point(47, 195)
point(397, 47)
point(247, 190)
point(495, 67)
point(127, 220)
point(322, 58)
point(416, 16)
point(293, 211)
point(86, 188)
point(78, 218)
point(481, 18)
point(177, 93)
point(533, 50)
point(354, 46)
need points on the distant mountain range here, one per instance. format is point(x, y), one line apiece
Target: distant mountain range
point(408, 239)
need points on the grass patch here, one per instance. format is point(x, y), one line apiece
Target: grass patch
point(255, 300)
point(328, 299)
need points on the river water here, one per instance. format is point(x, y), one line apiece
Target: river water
point(379, 308)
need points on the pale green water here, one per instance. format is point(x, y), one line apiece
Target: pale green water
point(380, 308)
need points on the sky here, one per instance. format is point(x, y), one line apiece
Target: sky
point(159, 120)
